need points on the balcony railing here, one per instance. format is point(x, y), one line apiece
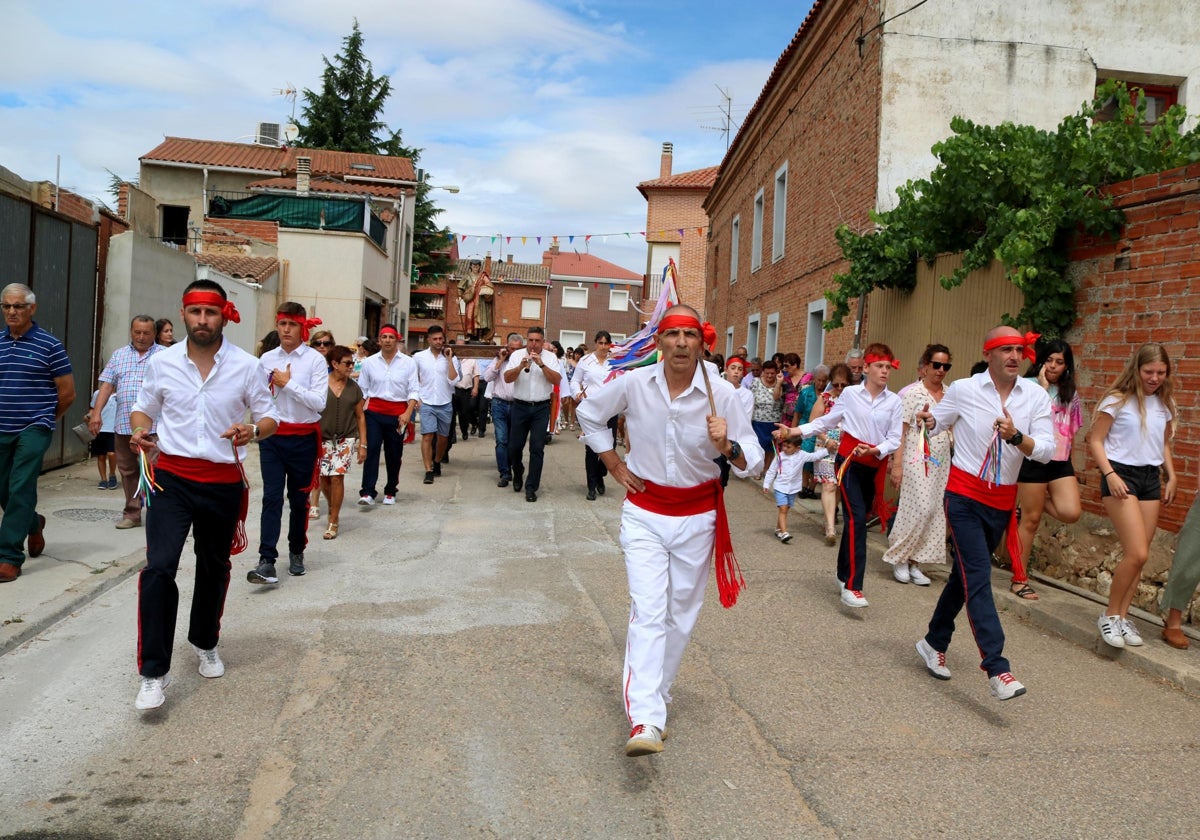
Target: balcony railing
point(305, 212)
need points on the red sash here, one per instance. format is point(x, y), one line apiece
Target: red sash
point(997, 496)
point(382, 406)
point(689, 501)
point(210, 472)
point(846, 448)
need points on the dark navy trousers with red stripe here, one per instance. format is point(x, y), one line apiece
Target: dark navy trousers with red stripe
point(976, 531)
point(286, 461)
point(210, 512)
point(857, 491)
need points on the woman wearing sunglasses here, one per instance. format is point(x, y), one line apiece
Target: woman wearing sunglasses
point(1050, 487)
point(919, 535)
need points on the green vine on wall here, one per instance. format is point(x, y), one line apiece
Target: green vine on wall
point(1018, 195)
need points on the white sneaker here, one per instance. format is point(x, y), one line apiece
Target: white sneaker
point(853, 598)
point(900, 572)
point(1005, 686)
point(211, 665)
point(1130, 634)
point(389, 500)
point(644, 739)
point(366, 500)
point(917, 576)
point(1110, 630)
point(150, 695)
point(935, 660)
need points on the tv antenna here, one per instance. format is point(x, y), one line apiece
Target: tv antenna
point(290, 131)
point(727, 122)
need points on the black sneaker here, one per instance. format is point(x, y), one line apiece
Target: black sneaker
point(295, 564)
point(503, 482)
point(264, 573)
point(428, 477)
point(446, 458)
point(437, 468)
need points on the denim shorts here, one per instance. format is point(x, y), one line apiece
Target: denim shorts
point(1143, 483)
point(436, 418)
point(784, 499)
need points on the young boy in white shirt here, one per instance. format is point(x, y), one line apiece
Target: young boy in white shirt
point(787, 474)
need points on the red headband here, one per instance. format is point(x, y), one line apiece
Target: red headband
point(737, 359)
point(874, 357)
point(708, 332)
point(1028, 342)
point(306, 324)
point(202, 298)
point(389, 331)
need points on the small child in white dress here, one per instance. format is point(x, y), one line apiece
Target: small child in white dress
point(787, 474)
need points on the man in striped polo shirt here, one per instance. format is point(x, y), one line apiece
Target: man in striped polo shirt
point(36, 388)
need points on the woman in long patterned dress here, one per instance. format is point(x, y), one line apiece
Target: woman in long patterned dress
point(825, 471)
point(918, 536)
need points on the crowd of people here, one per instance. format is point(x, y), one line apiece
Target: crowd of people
point(978, 462)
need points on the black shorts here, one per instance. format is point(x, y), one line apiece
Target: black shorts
point(103, 443)
point(1034, 472)
point(1143, 483)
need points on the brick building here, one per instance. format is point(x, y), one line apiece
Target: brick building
point(519, 302)
point(850, 112)
point(677, 228)
point(588, 294)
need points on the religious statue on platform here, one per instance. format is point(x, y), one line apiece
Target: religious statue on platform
point(476, 292)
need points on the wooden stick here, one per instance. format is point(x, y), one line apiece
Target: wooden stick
point(712, 404)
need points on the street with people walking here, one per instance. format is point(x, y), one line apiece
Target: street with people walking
point(450, 666)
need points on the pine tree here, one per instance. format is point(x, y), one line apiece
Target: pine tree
point(344, 114)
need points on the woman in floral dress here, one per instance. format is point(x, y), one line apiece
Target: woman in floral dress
point(918, 536)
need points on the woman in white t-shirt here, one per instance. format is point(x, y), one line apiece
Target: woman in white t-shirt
point(1130, 440)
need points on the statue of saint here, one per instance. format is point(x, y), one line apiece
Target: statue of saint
point(475, 291)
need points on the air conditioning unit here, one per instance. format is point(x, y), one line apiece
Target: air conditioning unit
point(268, 133)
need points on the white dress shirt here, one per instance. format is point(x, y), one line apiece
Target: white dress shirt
point(669, 441)
point(590, 374)
point(873, 420)
point(971, 408)
point(531, 385)
point(494, 375)
point(433, 373)
point(394, 381)
point(469, 373)
point(192, 412)
point(303, 399)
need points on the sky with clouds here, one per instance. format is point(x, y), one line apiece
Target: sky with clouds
point(546, 113)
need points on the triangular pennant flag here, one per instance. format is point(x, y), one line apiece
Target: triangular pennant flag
point(523, 238)
point(493, 240)
point(539, 240)
point(571, 239)
point(681, 232)
point(508, 239)
point(464, 237)
point(699, 231)
point(595, 285)
point(587, 238)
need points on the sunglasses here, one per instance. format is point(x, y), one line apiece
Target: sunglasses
point(940, 365)
point(837, 384)
point(322, 344)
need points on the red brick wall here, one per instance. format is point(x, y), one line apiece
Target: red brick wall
point(668, 211)
point(597, 316)
point(507, 308)
point(822, 120)
point(264, 231)
point(1143, 287)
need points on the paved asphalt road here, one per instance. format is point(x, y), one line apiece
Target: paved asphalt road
point(449, 668)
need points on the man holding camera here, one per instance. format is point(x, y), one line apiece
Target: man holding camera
point(502, 392)
point(533, 373)
point(437, 371)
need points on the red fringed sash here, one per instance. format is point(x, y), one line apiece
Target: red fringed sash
point(689, 501)
point(998, 496)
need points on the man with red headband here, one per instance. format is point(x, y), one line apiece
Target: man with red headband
point(390, 391)
point(674, 513)
point(870, 418)
point(198, 391)
point(298, 379)
point(998, 418)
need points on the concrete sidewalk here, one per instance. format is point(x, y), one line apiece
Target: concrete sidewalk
point(86, 555)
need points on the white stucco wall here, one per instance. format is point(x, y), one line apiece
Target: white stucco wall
point(325, 274)
point(144, 277)
point(1024, 61)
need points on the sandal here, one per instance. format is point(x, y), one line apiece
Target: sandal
point(331, 531)
point(314, 512)
point(1025, 591)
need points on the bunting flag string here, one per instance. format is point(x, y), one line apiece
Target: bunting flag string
point(657, 235)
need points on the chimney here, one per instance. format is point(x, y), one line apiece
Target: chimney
point(664, 168)
point(509, 259)
point(487, 265)
point(303, 171)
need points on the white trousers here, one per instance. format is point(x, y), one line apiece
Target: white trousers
point(667, 561)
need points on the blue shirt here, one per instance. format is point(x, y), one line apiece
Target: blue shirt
point(28, 367)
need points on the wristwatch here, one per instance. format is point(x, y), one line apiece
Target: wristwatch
point(254, 426)
point(735, 451)
point(1016, 439)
